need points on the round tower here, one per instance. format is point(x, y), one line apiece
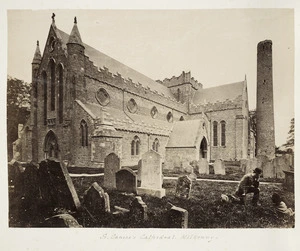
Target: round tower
point(264, 101)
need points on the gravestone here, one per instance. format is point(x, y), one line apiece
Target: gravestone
point(31, 182)
point(203, 166)
point(96, 201)
point(177, 218)
point(126, 180)
point(219, 167)
point(251, 165)
point(61, 220)
point(187, 167)
point(243, 164)
point(268, 170)
point(111, 166)
point(139, 209)
point(56, 186)
point(289, 180)
point(261, 160)
point(183, 188)
point(151, 175)
point(281, 164)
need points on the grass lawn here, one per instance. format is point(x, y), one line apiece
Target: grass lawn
point(205, 208)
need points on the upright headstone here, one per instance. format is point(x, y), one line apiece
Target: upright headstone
point(281, 164)
point(31, 182)
point(139, 209)
point(126, 180)
point(261, 160)
point(151, 175)
point(56, 186)
point(219, 167)
point(251, 165)
point(184, 186)
point(243, 164)
point(268, 170)
point(96, 201)
point(111, 166)
point(203, 166)
point(177, 218)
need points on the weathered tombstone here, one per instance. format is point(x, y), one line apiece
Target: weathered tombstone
point(289, 180)
point(96, 201)
point(111, 166)
point(177, 165)
point(56, 186)
point(177, 218)
point(183, 188)
point(187, 167)
point(139, 209)
point(261, 160)
point(243, 164)
point(126, 180)
point(203, 166)
point(151, 175)
point(31, 182)
point(62, 220)
point(251, 165)
point(192, 176)
point(268, 170)
point(219, 167)
point(281, 164)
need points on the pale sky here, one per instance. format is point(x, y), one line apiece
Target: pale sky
point(217, 46)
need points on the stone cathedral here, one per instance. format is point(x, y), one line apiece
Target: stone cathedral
point(86, 105)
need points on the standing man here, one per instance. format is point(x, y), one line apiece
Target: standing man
point(249, 184)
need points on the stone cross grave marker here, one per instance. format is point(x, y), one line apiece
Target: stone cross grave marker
point(126, 180)
point(219, 167)
point(111, 166)
point(183, 188)
point(151, 175)
point(96, 201)
point(56, 186)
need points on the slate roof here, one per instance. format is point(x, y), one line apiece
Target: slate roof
point(121, 121)
point(184, 133)
point(219, 93)
point(101, 60)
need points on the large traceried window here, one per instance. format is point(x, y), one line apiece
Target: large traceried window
point(135, 146)
point(215, 133)
point(44, 79)
point(155, 145)
point(84, 133)
point(52, 97)
point(223, 133)
point(61, 93)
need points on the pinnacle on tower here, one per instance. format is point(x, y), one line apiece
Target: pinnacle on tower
point(75, 37)
point(37, 55)
point(53, 20)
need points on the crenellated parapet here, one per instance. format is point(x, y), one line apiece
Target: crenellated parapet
point(184, 78)
point(116, 80)
point(217, 106)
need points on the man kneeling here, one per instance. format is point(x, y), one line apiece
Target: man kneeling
point(249, 184)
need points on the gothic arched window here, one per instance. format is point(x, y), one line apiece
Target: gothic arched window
point(178, 94)
point(215, 133)
point(44, 79)
point(52, 74)
point(170, 117)
point(61, 93)
point(155, 145)
point(223, 133)
point(84, 133)
point(135, 146)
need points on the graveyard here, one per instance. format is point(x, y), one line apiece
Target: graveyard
point(50, 195)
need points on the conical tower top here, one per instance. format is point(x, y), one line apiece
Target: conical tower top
point(37, 55)
point(75, 37)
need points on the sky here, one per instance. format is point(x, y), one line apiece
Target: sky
point(217, 46)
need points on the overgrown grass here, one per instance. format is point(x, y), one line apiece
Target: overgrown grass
point(205, 208)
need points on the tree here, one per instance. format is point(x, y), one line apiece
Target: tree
point(291, 137)
point(18, 108)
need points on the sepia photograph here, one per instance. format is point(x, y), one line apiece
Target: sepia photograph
point(154, 119)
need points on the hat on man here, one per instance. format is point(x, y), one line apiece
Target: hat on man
point(257, 170)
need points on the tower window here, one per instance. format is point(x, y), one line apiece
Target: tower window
point(84, 133)
point(170, 117)
point(44, 78)
point(61, 94)
point(52, 100)
point(154, 112)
